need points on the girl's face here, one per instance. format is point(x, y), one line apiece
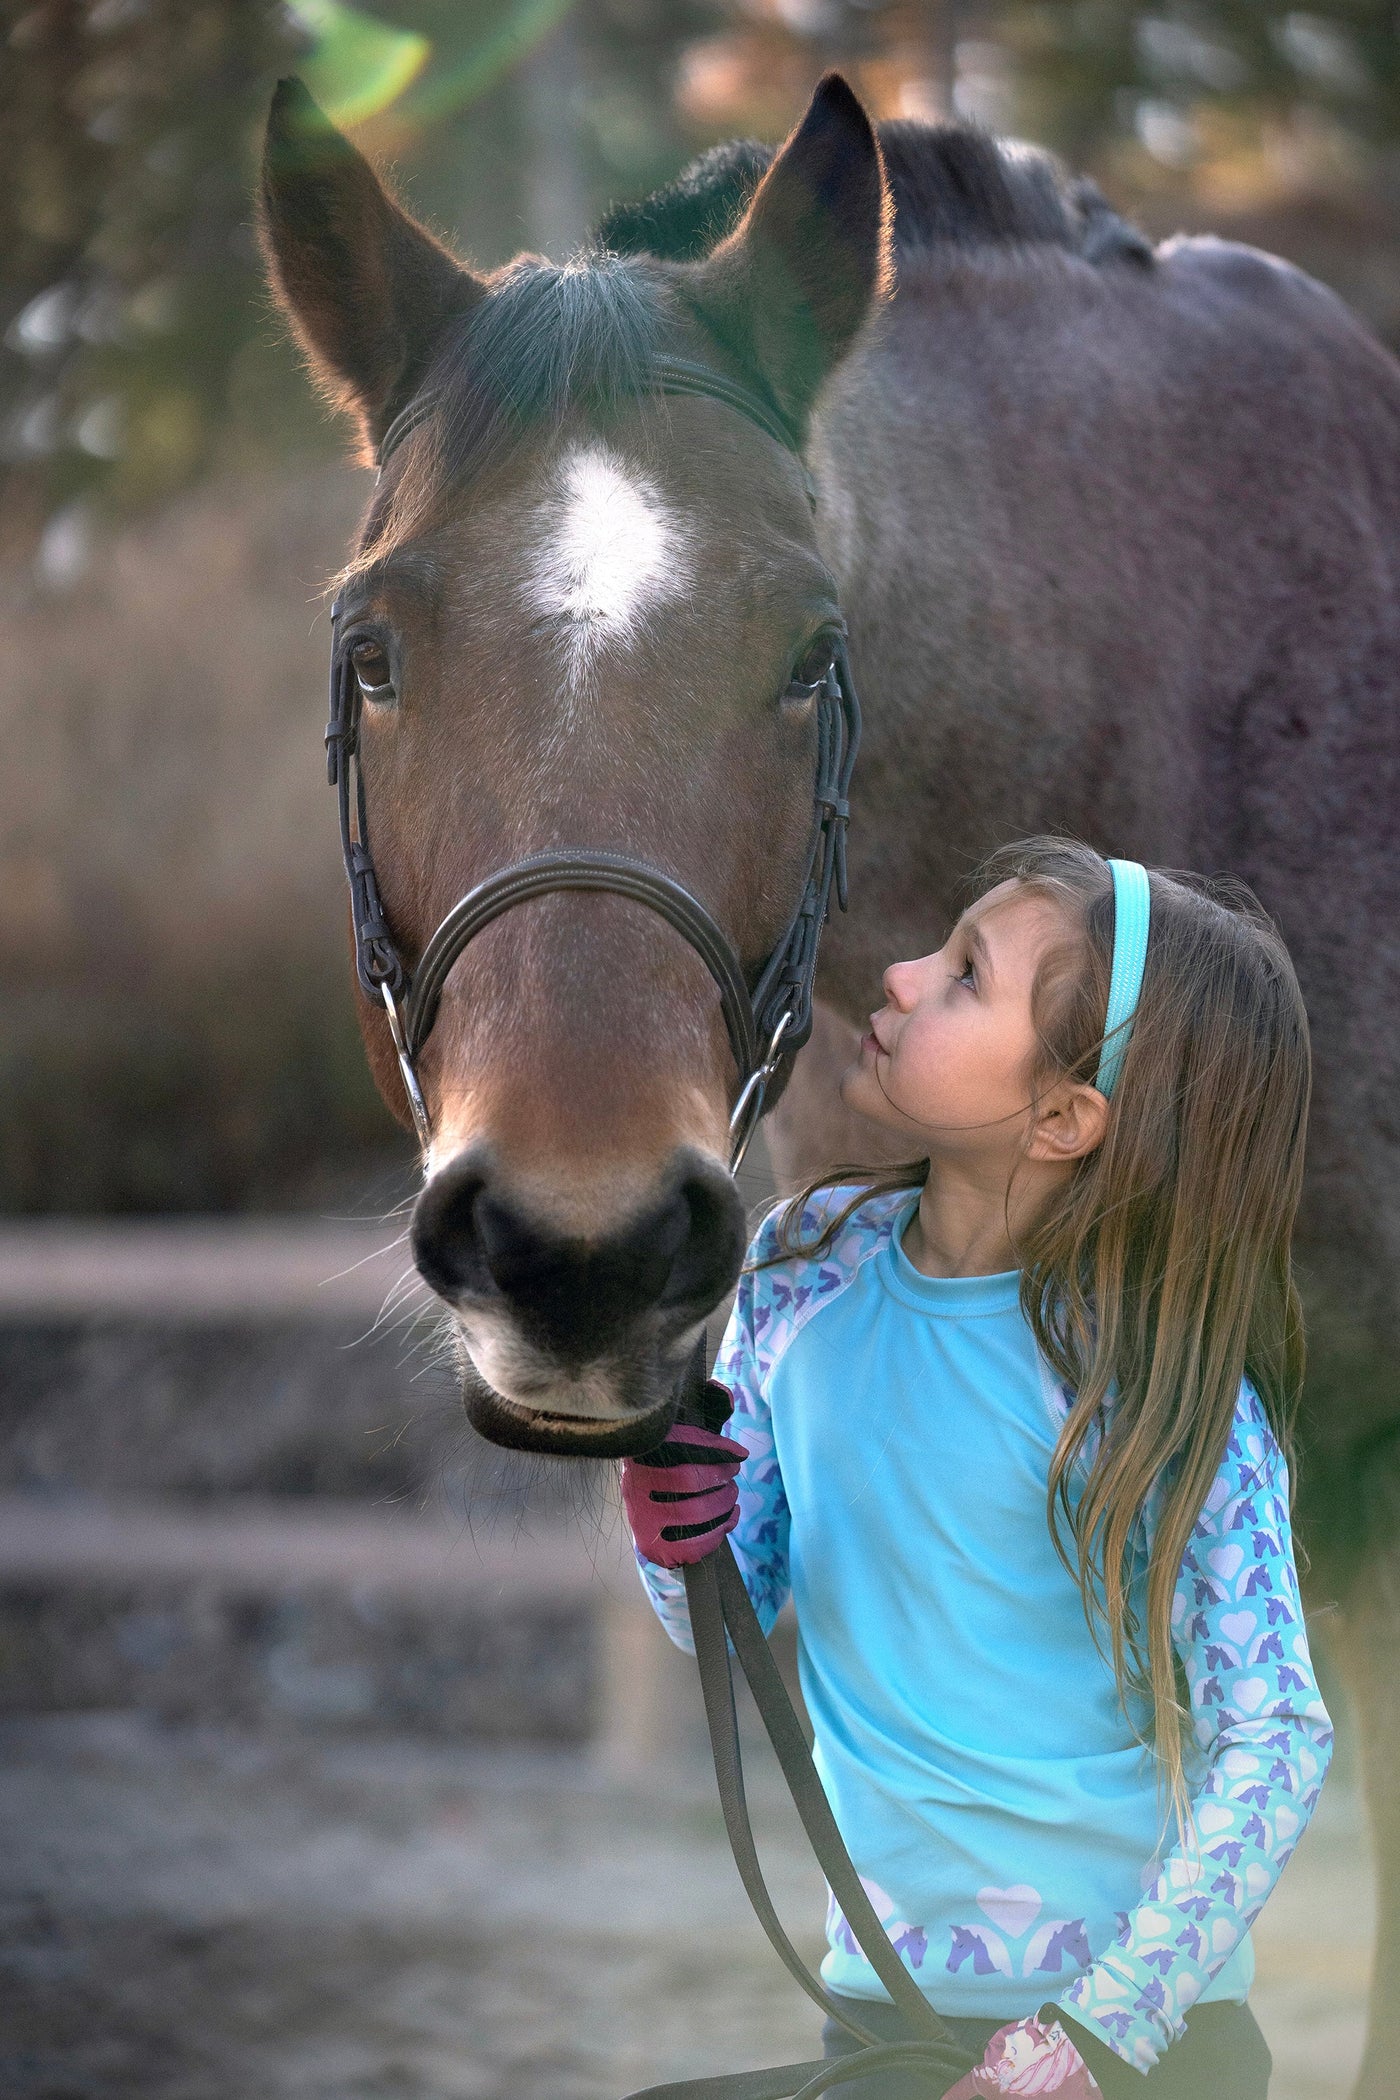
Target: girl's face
point(949, 1056)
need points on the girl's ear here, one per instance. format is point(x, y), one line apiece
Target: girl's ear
point(1070, 1125)
point(367, 290)
point(811, 258)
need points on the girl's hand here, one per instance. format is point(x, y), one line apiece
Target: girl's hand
point(1028, 2058)
point(689, 1481)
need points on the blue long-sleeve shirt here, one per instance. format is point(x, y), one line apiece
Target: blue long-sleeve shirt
point(1002, 1809)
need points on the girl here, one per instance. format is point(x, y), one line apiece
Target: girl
point(1013, 1425)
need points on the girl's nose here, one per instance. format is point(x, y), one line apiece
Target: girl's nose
point(898, 985)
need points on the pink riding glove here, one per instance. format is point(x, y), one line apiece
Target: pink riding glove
point(693, 1484)
point(1029, 2058)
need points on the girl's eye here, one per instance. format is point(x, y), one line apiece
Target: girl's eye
point(373, 673)
point(968, 976)
point(809, 672)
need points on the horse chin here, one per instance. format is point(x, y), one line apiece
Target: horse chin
point(517, 1428)
point(618, 1410)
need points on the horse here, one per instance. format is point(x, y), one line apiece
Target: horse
point(1110, 530)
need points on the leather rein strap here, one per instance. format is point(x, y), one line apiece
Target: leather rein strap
point(765, 1026)
point(722, 1615)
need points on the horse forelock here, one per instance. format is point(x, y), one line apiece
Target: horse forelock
point(548, 338)
point(546, 341)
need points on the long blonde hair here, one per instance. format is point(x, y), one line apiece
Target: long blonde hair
point(1160, 1273)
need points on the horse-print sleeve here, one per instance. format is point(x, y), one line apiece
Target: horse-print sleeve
point(1237, 1624)
point(760, 1538)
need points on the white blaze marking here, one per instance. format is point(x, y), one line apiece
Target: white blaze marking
point(610, 551)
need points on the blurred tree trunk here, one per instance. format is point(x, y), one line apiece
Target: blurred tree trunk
point(558, 202)
point(936, 27)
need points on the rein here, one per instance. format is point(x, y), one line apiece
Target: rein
point(722, 1618)
point(766, 1025)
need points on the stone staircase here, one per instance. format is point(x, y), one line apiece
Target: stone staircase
point(235, 1488)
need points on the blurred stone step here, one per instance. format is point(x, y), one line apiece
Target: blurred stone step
point(265, 1547)
point(199, 1269)
point(342, 1617)
point(272, 1357)
point(297, 1407)
point(231, 1491)
point(305, 1612)
point(207, 1357)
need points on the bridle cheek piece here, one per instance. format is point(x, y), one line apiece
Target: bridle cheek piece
point(766, 1025)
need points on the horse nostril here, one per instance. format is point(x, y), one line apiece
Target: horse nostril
point(576, 1296)
point(443, 1236)
point(708, 1251)
point(544, 1271)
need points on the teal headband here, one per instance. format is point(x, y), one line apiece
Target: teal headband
point(1132, 910)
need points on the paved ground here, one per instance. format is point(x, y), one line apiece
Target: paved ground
point(249, 1907)
point(198, 1915)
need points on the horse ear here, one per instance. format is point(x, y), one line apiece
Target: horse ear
point(367, 290)
point(791, 287)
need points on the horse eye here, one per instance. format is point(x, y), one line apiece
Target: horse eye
point(811, 668)
point(373, 673)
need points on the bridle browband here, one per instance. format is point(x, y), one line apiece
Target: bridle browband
point(766, 1025)
point(669, 375)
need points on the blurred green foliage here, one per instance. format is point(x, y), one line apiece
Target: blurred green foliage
point(1093, 69)
point(134, 324)
point(178, 1030)
point(124, 227)
point(134, 328)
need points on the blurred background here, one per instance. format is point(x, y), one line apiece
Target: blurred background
point(176, 1030)
point(326, 1730)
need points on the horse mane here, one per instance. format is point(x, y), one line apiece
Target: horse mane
point(684, 219)
point(954, 186)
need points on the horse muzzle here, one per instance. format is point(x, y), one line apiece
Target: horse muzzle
point(577, 1338)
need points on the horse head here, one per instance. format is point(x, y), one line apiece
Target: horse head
point(584, 615)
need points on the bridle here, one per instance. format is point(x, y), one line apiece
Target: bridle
point(766, 1025)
